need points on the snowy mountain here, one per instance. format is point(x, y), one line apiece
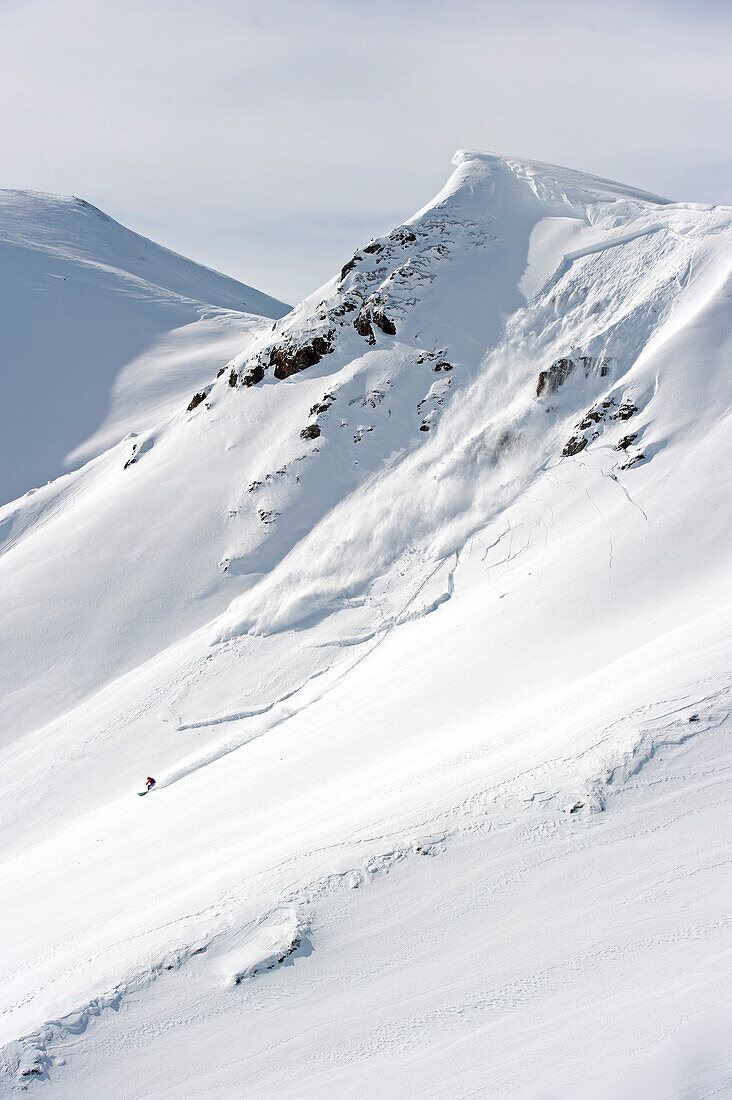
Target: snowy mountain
point(437, 565)
point(100, 324)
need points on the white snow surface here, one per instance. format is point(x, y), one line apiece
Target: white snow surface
point(436, 692)
point(102, 331)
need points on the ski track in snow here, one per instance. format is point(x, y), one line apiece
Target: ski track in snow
point(35, 1055)
point(434, 441)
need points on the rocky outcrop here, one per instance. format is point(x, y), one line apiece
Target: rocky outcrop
point(289, 358)
point(549, 381)
point(362, 325)
point(196, 400)
point(322, 406)
point(350, 265)
point(368, 317)
point(626, 410)
point(403, 236)
point(253, 376)
point(347, 306)
point(383, 322)
point(625, 442)
point(311, 432)
point(574, 445)
point(597, 419)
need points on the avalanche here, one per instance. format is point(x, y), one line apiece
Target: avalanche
point(436, 566)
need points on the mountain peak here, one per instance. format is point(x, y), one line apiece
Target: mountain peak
point(552, 184)
point(438, 565)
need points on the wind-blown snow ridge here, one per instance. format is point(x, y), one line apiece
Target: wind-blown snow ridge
point(441, 553)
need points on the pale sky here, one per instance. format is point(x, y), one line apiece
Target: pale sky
point(270, 139)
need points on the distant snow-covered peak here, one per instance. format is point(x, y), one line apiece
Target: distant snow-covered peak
point(102, 332)
point(72, 229)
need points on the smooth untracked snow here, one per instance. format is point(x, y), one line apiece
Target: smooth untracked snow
point(441, 615)
point(100, 324)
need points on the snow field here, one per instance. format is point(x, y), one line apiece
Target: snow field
point(433, 628)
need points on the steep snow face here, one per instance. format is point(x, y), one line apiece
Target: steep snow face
point(518, 307)
point(96, 316)
point(444, 546)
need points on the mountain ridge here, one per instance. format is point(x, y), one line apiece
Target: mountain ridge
point(102, 328)
point(444, 573)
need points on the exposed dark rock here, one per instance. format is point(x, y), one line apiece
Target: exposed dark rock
point(383, 322)
point(424, 427)
point(693, 717)
point(370, 399)
point(196, 400)
point(288, 359)
point(634, 461)
point(373, 247)
point(577, 806)
point(347, 306)
point(220, 371)
point(322, 406)
point(253, 485)
point(291, 949)
point(133, 457)
point(442, 366)
point(595, 414)
point(256, 374)
point(362, 325)
point(573, 447)
point(311, 432)
point(550, 380)
point(626, 410)
point(625, 442)
point(35, 1069)
point(350, 265)
point(403, 236)
point(233, 378)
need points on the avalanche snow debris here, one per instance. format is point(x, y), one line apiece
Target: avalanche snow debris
point(581, 635)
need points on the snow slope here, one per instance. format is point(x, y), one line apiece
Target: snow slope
point(438, 565)
point(92, 311)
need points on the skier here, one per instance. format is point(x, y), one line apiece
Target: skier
point(150, 782)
